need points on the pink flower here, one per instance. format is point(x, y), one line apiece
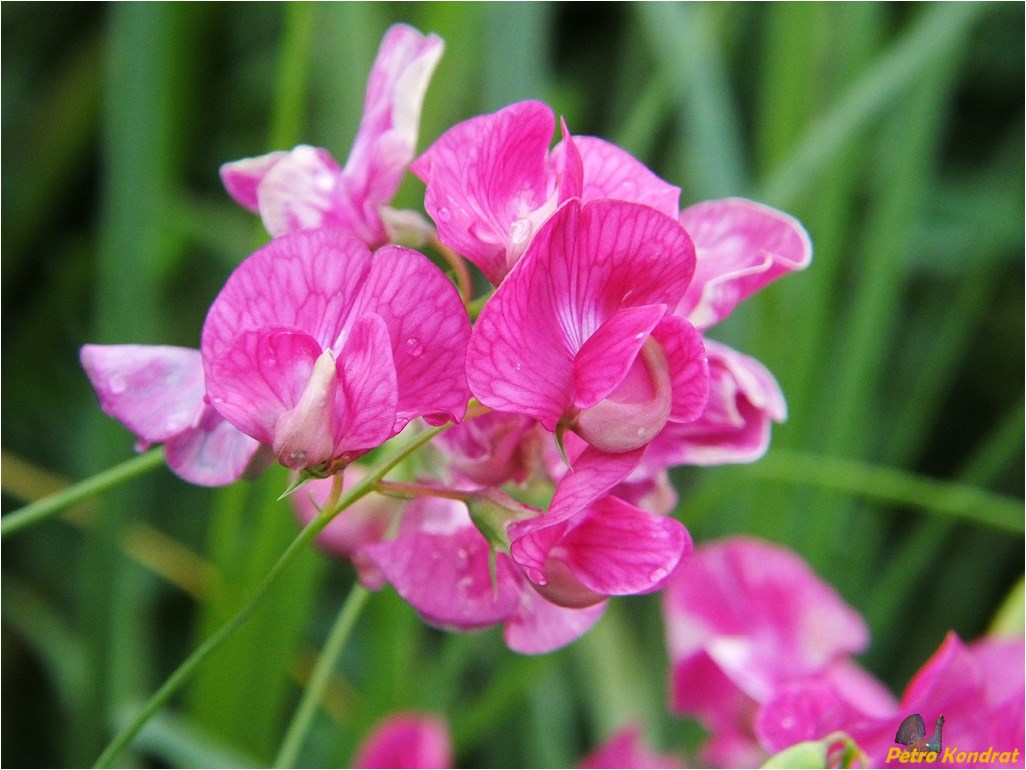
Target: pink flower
point(440, 563)
point(744, 618)
point(406, 740)
point(323, 351)
point(740, 247)
point(306, 188)
point(492, 449)
point(625, 750)
point(580, 333)
point(978, 689)
point(492, 182)
point(158, 393)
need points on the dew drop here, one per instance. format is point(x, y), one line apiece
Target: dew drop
point(414, 347)
point(464, 583)
point(657, 574)
point(117, 384)
point(516, 366)
point(444, 215)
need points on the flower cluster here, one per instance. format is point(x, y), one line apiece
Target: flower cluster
point(586, 358)
point(760, 651)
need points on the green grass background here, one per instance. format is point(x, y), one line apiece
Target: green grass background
point(893, 132)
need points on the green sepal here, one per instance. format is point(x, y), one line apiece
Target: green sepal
point(836, 750)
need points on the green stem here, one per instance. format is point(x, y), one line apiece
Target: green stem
point(409, 490)
point(320, 676)
point(53, 504)
point(184, 671)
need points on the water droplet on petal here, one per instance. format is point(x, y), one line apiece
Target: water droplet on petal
point(443, 214)
point(657, 574)
point(464, 583)
point(117, 384)
point(414, 347)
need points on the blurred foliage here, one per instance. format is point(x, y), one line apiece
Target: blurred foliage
point(893, 132)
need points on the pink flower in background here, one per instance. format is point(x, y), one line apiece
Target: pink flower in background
point(406, 740)
point(743, 619)
point(323, 351)
point(306, 188)
point(579, 332)
point(157, 392)
point(626, 750)
point(492, 182)
point(977, 688)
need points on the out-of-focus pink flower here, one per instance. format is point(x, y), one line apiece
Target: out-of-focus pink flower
point(744, 618)
point(323, 351)
point(157, 392)
point(306, 188)
point(626, 750)
point(579, 333)
point(978, 689)
point(492, 182)
point(366, 521)
point(406, 740)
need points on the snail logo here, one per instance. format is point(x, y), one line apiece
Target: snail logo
point(912, 733)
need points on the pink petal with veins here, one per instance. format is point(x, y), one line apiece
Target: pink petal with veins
point(241, 178)
point(486, 179)
point(587, 264)
point(212, 454)
point(741, 247)
point(611, 172)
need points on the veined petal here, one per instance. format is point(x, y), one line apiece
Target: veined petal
point(365, 400)
point(156, 391)
point(308, 280)
point(742, 246)
point(429, 331)
point(611, 172)
point(606, 356)
point(387, 137)
point(617, 549)
point(744, 400)
point(483, 176)
point(594, 473)
point(585, 265)
point(538, 626)
point(305, 190)
point(261, 377)
point(689, 367)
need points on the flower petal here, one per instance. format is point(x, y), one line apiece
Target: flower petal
point(445, 575)
point(406, 740)
point(429, 331)
point(612, 172)
point(156, 391)
point(213, 453)
point(688, 365)
point(586, 264)
point(742, 246)
point(538, 626)
point(241, 178)
point(485, 174)
point(617, 549)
